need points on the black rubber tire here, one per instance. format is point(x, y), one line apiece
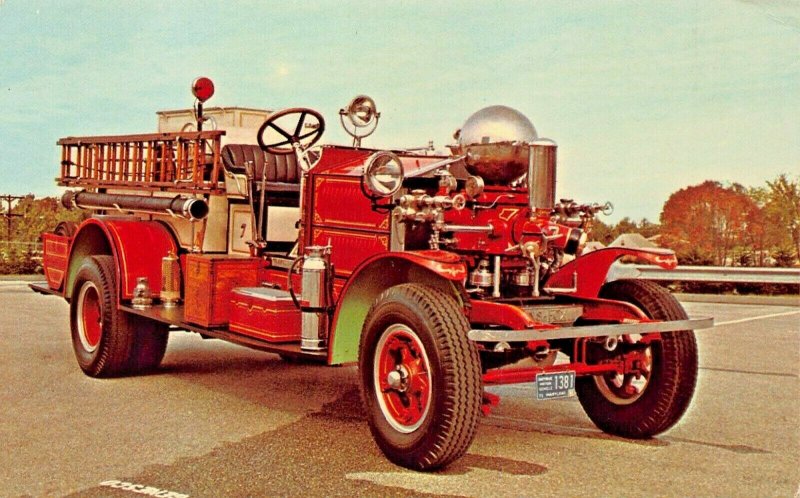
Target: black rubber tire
point(674, 370)
point(127, 344)
point(450, 425)
point(149, 346)
point(66, 228)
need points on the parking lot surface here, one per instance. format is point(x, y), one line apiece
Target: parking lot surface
point(219, 420)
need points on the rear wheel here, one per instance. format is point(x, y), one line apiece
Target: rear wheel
point(150, 344)
point(109, 342)
point(420, 377)
point(650, 401)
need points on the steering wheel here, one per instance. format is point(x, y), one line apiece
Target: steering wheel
point(274, 133)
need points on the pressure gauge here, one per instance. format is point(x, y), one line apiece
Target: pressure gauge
point(474, 186)
point(447, 181)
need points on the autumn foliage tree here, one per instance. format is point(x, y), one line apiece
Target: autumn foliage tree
point(33, 216)
point(782, 213)
point(709, 221)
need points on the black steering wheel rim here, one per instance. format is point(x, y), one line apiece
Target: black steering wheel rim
point(296, 136)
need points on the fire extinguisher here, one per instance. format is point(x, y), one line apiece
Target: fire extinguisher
point(316, 298)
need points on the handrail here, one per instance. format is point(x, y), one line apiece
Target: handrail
point(181, 162)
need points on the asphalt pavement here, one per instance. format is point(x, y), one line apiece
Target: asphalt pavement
point(218, 420)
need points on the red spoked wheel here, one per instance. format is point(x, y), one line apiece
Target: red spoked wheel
point(625, 389)
point(90, 319)
point(420, 377)
point(654, 394)
point(402, 378)
point(108, 341)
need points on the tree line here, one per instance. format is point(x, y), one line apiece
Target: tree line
point(20, 248)
point(724, 225)
point(706, 224)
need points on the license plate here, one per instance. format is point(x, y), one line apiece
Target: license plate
point(555, 385)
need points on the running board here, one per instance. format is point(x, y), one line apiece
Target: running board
point(43, 288)
point(550, 334)
point(174, 316)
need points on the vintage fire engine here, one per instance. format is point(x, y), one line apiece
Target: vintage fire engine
point(437, 274)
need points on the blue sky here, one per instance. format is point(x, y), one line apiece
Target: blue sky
point(643, 98)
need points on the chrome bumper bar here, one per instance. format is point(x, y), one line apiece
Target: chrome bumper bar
point(484, 335)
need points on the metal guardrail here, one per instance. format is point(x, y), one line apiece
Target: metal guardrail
point(707, 274)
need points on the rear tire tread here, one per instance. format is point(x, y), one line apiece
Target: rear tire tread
point(654, 413)
point(129, 344)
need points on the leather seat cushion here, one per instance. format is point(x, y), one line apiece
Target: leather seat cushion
point(277, 168)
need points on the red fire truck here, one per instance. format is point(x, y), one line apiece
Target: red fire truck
point(437, 274)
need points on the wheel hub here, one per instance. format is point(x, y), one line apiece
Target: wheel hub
point(402, 378)
point(398, 379)
point(626, 388)
point(90, 318)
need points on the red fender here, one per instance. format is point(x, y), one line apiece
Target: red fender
point(137, 246)
point(589, 271)
point(439, 269)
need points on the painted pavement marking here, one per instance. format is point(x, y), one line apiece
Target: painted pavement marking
point(142, 489)
point(754, 318)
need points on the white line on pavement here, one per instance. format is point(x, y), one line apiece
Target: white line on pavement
point(754, 318)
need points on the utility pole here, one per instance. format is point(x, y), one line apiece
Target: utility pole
point(8, 214)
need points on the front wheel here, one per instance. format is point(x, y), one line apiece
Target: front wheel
point(642, 404)
point(420, 377)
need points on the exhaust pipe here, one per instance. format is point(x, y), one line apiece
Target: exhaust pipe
point(184, 207)
point(542, 174)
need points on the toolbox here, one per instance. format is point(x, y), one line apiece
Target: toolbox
point(265, 313)
point(209, 281)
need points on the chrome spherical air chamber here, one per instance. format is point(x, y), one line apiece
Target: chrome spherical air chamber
point(495, 142)
point(500, 145)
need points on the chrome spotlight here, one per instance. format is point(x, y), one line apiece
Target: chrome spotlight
point(363, 116)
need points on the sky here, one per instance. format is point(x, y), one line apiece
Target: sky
point(643, 97)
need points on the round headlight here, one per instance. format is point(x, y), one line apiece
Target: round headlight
point(383, 174)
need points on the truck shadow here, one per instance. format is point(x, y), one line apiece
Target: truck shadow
point(274, 383)
point(326, 453)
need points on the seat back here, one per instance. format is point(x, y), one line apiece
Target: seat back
point(279, 168)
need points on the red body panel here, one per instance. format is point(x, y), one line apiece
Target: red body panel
point(352, 247)
point(140, 246)
point(55, 259)
point(339, 202)
point(591, 270)
point(137, 246)
point(349, 161)
point(513, 317)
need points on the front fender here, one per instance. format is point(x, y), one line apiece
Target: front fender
point(137, 246)
point(439, 269)
point(585, 275)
